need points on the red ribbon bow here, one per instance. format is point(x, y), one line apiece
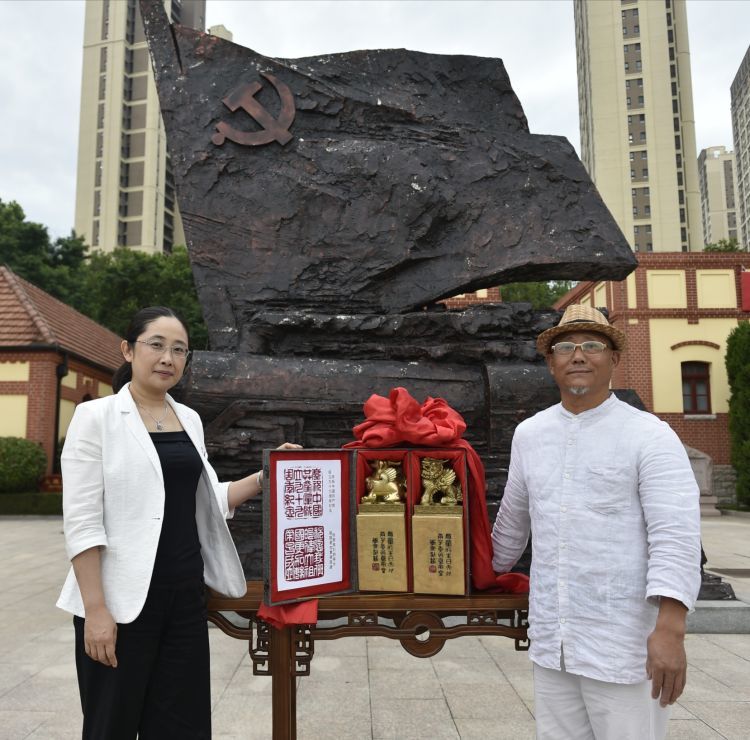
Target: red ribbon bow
point(400, 419)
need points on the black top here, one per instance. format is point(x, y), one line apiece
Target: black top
point(178, 556)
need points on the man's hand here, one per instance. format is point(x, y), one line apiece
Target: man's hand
point(666, 664)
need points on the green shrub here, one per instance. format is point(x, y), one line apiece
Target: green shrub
point(35, 504)
point(22, 465)
point(738, 372)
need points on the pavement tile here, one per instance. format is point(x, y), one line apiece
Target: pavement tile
point(702, 687)
point(244, 681)
point(469, 701)
point(694, 729)
point(347, 646)
point(323, 713)
point(249, 717)
point(393, 657)
point(496, 729)
point(479, 671)
point(359, 687)
point(15, 724)
point(405, 684)
point(730, 719)
point(35, 692)
point(13, 675)
point(735, 644)
point(731, 670)
point(408, 719)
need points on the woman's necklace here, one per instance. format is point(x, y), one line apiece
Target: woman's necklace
point(159, 422)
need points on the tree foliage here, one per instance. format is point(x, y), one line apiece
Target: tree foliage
point(539, 295)
point(109, 287)
point(724, 245)
point(738, 372)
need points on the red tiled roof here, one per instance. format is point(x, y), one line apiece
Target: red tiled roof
point(28, 316)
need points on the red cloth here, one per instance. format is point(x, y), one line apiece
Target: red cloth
point(304, 612)
point(400, 419)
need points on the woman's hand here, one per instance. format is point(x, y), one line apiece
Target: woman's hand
point(240, 491)
point(100, 636)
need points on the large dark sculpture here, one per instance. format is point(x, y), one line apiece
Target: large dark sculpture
point(329, 203)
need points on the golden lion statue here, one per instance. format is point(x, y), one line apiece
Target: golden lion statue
point(438, 484)
point(386, 484)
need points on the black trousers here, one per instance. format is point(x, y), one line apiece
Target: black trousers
point(161, 687)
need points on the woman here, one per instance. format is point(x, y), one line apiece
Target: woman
point(145, 524)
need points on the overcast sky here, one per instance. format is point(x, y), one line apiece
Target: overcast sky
point(40, 77)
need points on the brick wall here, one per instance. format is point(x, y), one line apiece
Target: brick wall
point(708, 435)
point(471, 299)
point(41, 390)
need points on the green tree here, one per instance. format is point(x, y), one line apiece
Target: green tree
point(26, 248)
point(116, 284)
point(724, 245)
point(539, 295)
point(23, 244)
point(738, 372)
point(107, 287)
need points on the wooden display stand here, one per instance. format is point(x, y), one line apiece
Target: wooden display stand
point(414, 620)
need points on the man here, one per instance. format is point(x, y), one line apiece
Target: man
point(613, 505)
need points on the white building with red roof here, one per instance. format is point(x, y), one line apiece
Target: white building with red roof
point(51, 359)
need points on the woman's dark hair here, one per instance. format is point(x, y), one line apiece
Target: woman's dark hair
point(136, 327)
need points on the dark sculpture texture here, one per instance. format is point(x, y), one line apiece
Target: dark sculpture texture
point(323, 237)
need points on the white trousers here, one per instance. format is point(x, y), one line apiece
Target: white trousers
point(570, 707)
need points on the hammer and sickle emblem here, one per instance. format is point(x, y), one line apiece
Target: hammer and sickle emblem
point(274, 129)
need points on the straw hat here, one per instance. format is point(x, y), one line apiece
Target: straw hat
point(581, 318)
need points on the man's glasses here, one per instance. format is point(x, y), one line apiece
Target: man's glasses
point(158, 348)
point(590, 347)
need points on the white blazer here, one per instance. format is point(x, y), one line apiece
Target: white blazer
point(113, 497)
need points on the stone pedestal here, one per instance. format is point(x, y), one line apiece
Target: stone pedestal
point(702, 465)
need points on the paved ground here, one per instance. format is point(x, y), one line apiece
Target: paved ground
point(359, 688)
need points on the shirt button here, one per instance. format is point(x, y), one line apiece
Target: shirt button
point(563, 509)
point(562, 620)
point(563, 545)
point(567, 475)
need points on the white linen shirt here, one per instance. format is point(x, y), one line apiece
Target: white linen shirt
point(612, 503)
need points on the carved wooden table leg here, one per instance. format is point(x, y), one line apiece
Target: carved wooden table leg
point(283, 681)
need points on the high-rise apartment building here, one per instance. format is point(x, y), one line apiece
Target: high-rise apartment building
point(740, 94)
point(716, 176)
point(125, 189)
point(636, 119)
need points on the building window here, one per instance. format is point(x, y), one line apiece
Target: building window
point(638, 65)
point(632, 156)
point(627, 66)
point(644, 172)
point(696, 389)
point(640, 100)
